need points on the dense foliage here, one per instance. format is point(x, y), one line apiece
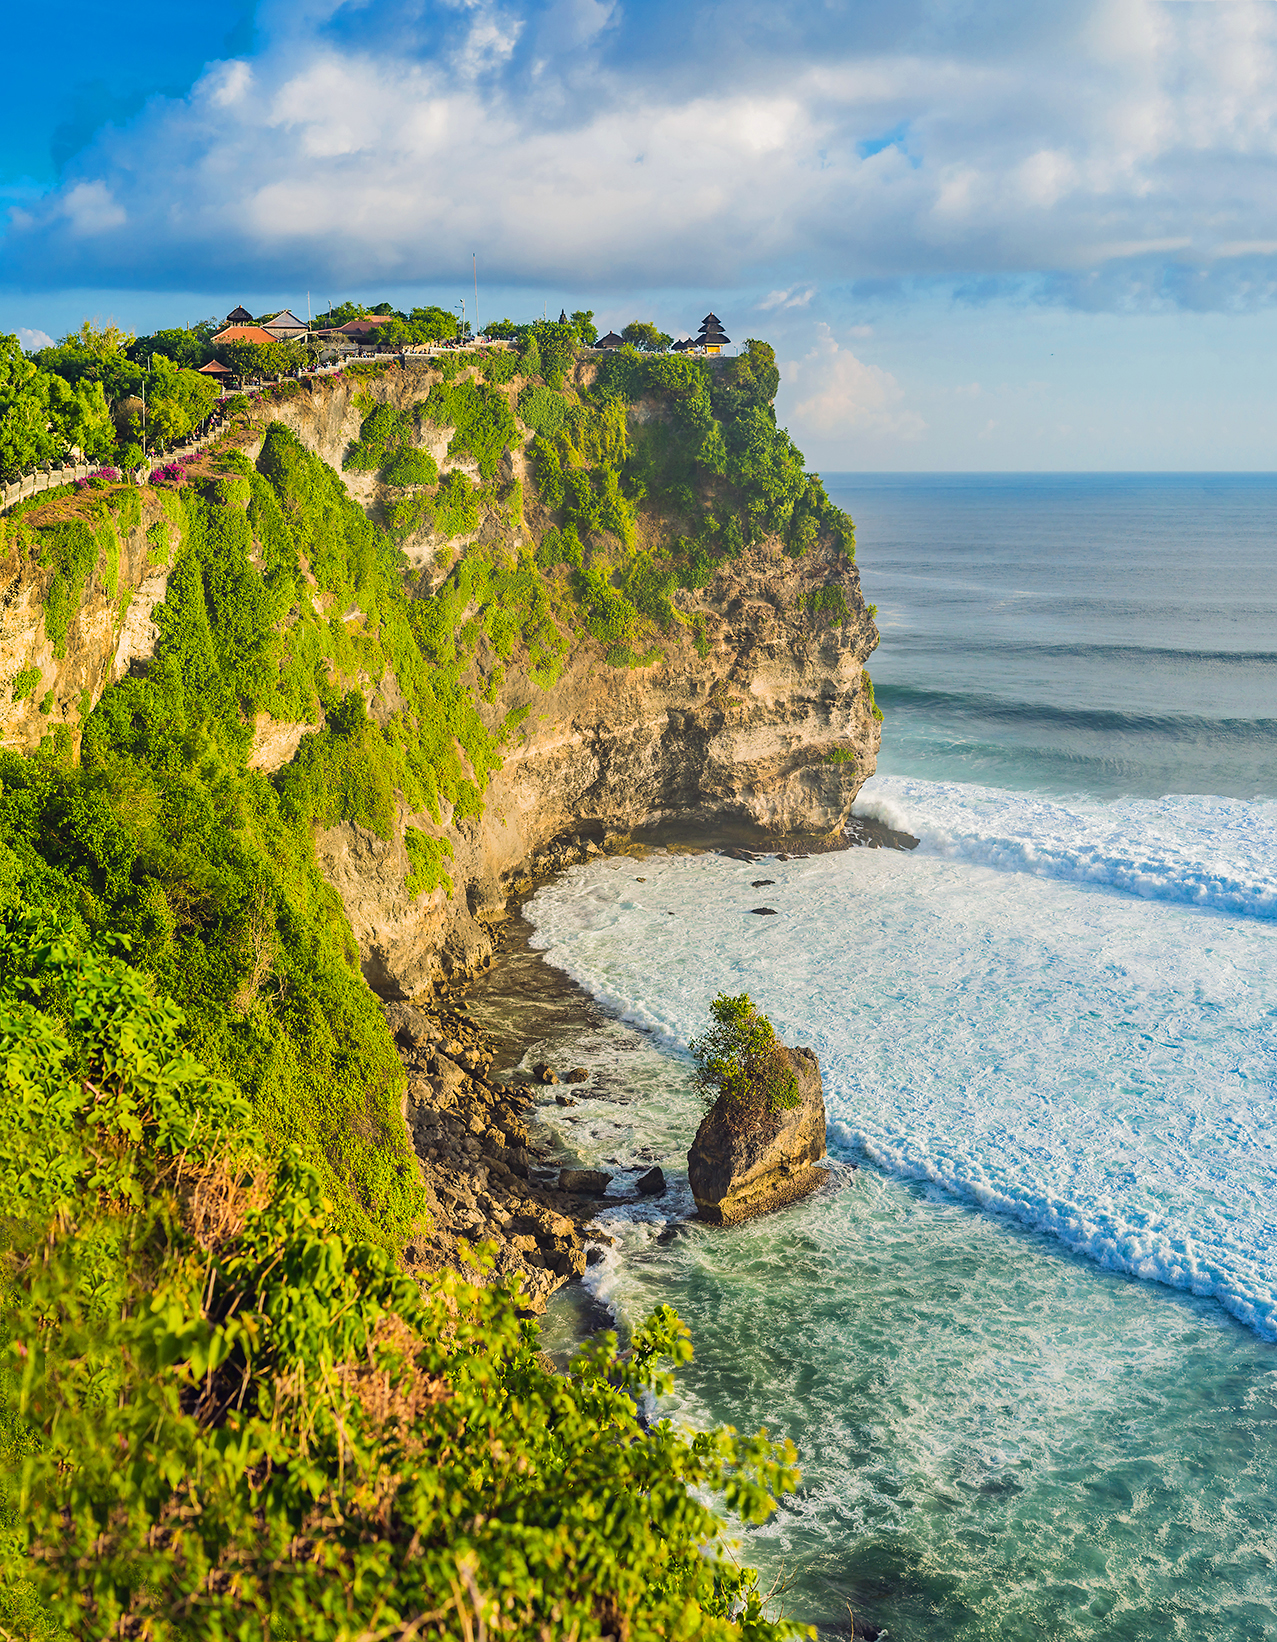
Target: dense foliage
point(88, 393)
point(226, 1412)
point(226, 1419)
point(741, 1063)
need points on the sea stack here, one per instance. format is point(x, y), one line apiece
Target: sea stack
point(739, 1168)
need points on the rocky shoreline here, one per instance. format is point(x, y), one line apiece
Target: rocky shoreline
point(493, 1171)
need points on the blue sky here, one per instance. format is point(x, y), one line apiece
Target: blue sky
point(1004, 235)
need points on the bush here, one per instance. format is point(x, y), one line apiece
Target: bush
point(829, 602)
point(741, 1063)
point(456, 508)
point(542, 409)
point(230, 1419)
point(500, 366)
point(483, 424)
point(411, 467)
point(382, 434)
point(25, 683)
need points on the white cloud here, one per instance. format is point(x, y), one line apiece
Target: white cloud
point(1127, 148)
point(91, 208)
point(835, 394)
point(792, 298)
point(33, 340)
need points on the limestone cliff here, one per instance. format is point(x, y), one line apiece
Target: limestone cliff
point(751, 709)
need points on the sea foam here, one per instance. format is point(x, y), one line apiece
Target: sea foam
point(1217, 853)
point(1095, 1064)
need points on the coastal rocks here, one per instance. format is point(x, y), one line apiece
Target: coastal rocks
point(479, 1166)
point(651, 1184)
point(584, 1182)
point(737, 1170)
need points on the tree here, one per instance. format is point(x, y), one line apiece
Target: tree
point(183, 347)
point(82, 416)
point(643, 335)
point(742, 1063)
point(557, 344)
point(98, 353)
point(423, 325)
point(258, 359)
point(26, 437)
point(586, 329)
point(177, 401)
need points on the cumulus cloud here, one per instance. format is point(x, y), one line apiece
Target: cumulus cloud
point(34, 340)
point(1115, 151)
point(832, 394)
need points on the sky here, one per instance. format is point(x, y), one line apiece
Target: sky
point(981, 236)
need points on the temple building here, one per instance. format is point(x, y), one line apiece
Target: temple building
point(712, 338)
point(239, 316)
point(243, 333)
point(286, 327)
point(611, 340)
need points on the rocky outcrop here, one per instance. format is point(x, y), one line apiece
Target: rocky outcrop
point(737, 1170)
point(480, 1165)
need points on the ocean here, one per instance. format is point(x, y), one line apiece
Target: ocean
point(1026, 1342)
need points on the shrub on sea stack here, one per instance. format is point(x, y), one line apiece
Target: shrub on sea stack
point(741, 1063)
point(765, 1127)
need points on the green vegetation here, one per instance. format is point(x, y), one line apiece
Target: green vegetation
point(480, 415)
point(427, 856)
point(840, 755)
point(542, 409)
point(741, 1063)
point(226, 1418)
point(867, 685)
point(85, 394)
point(830, 602)
point(643, 335)
point(24, 683)
point(384, 435)
point(411, 467)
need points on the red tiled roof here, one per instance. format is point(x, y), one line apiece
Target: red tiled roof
point(243, 333)
point(367, 323)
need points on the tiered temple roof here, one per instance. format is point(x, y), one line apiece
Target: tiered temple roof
point(239, 316)
point(712, 334)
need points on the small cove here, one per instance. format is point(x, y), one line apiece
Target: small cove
point(998, 1438)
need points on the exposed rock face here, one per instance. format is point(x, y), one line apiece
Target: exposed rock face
point(110, 629)
point(737, 1173)
point(758, 714)
point(740, 736)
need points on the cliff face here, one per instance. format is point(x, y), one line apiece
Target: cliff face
point(741, 737)
point(756, 712)
point(108, 624)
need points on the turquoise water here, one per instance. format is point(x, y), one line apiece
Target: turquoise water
point(1024, 1343)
